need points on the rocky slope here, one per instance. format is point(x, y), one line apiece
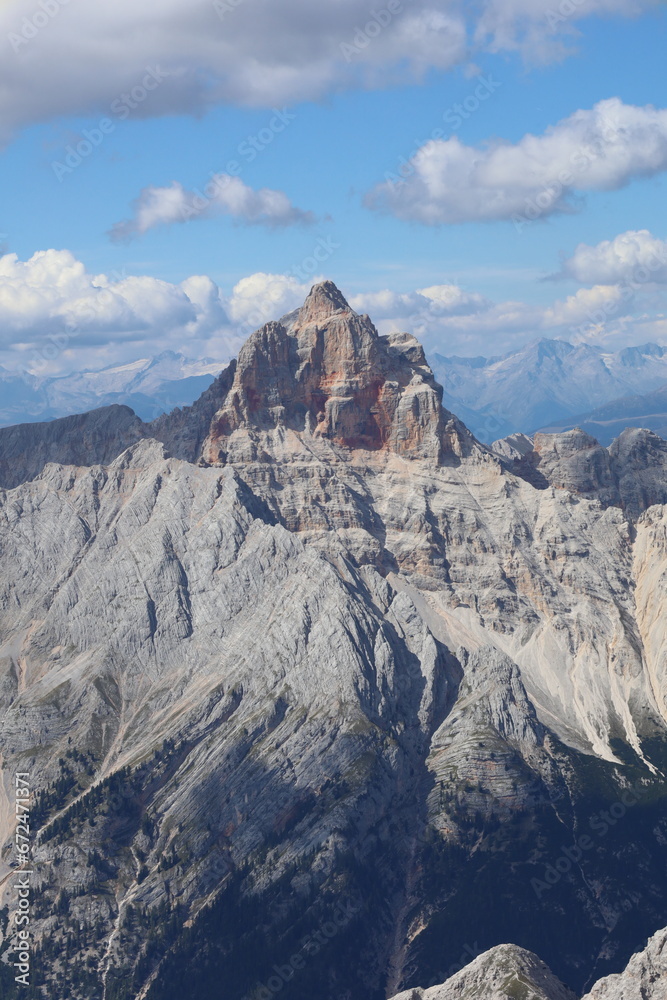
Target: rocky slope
point(645, 977)
point(300, 671)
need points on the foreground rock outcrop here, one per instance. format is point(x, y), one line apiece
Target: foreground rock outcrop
point(644, 978)
point(503, 973)
point(510, 973)
point(302, 670)
point(630, 474)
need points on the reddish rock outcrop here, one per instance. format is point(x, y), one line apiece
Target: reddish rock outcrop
point(330, 376)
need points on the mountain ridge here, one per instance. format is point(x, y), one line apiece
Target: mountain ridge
point(305, 655)
point(648, 412)
point(149, 385)
point(510, 973)
point(544, 382)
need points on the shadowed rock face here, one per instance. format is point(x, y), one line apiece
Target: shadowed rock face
point(94, 438)
point(645, 977)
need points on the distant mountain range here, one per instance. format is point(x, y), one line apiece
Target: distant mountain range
point(150, 386)
point(550, 382)
point(606, 422)
point(547, 385)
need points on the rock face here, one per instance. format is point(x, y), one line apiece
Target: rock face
point(631, 473)
point(502, 973)
point(645, 977)
point(514, 446)
point(510, 973)
point(91, 438)
point(333, 378)
point(302, 670)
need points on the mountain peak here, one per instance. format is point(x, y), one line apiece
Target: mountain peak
point(330, 377)
point(324, 300)
point(502, 973)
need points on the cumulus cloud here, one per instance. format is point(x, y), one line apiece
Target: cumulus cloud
point(601, 149)
point(52, 309)
point(252, 52)
point(635, 256)
point(55, 316)
point(52, 292)
point(262, 297)
point(450, 320)
point(223, 195)
point(592, 306)
point(420, 307)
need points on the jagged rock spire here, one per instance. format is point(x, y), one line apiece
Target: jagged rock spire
point(324, 301)
point(330, 376)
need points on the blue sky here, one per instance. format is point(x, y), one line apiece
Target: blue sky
point(339, 138)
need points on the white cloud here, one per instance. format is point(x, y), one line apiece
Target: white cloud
point(81, 57)
point(601, 149)
point(451, 320)
point(52, 309)
point(255, 52)
point(224, 195)
point(592, 306)
point(262, 297)
point(52, 292)
point(541, 29)
point(55, 316)
point(421, 307)
point(636, 257)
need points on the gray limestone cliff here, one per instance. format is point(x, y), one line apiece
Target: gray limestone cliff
point(305, 655)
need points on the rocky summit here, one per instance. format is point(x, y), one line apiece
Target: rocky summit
point(501, 973)
point(507, 973)
point(317, 694)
